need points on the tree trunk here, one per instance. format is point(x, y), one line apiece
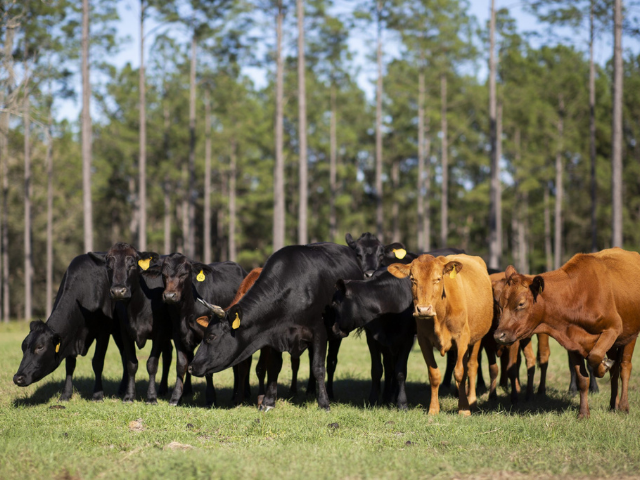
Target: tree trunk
point(27, 200)
point(206, 223)
point(184, 214)
point(333, 227)
point(616, 150)
point(232, 200)
point(167, 184)
point(592, 128)
point(142, 162)
point(191, 186)
point(278, 174)
point(523, 265)
point(49, 163)
point(395, 209)
point(222, 240)
point(86, 132)
point(548, 255)
point(559, 188)
point(379, 210)
point(302, 114)
point(420, 189)
point(495, 230)
point(444, 211)
point(426, 235)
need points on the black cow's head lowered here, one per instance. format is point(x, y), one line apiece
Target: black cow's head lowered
point(40, 354)
point(124, 265)
point(372, 254)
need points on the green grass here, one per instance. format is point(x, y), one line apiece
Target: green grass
point(94, 440)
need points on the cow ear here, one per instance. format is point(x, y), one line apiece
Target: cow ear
point(234, 316)
point(350, 240)
point(56, 342)
point(97, 257)
point(395, 251)
point(452, 268)
point(203, 321)
point(537, 287)
point(509, 272)
point(147, 259)
point(399, 270)
point(35, 324)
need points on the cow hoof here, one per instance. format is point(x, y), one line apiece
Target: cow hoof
point(64, 397)
point(403, 407)
point(464, 413)
point(98, 397)
point(152, 401)
point(583, 416)
point(433, 411)
point(326, 409)
point(264, 408)
point(127, 399)
point(174, 403)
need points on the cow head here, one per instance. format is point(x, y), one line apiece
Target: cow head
point(40, 354)
point(372, 254)
point(124, 265)
point(517, 301)
point(428, 276)
point(176, 275)
point(340, 315)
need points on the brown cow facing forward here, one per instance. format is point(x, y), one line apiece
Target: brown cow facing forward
point(591, 306)
point(453, 304)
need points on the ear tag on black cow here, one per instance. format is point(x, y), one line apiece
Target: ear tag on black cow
point(58, 347)
point(400, 253)
point(453, 273)
point(200, 276)
point(203, 321)
point(144, 264)
point(236, 322)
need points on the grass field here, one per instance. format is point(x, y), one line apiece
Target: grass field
point(295, 440)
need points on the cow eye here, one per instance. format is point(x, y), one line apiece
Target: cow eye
point(211, 337)
point(39, 348)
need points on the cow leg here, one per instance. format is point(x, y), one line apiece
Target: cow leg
point(67, 389)
point(593, 383)
point(401, 374)
point(464, 408)
point(543, 361)
point(318, 366)
point(582, 379)
point(504, 368)
point(152, 369)
point(452, 354)
point(273, 370)
point(332, 363)
point(627, 353)
point(389, 377)
point(210, 391)
point(295, 366)
point(167, 354)
point(132, 367)
point(240, 374)
point(596, 358)
point(117, 337)
point(513, 365)
point(261, 371)
point(573, 382)
point(434, 374)
point(493, 370)
point(376, 369)
point(472, 370)
point(614, 373)
point(311, 384)
point(530, 358)
point(182, 362)
point(102, 342)
point(480, 384)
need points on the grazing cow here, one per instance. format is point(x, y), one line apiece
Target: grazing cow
point(381, 306)
point(137, 288)
point(184, 282)
point(590, 306)
point(450, 308)
point(82, 313)
point(282, 310)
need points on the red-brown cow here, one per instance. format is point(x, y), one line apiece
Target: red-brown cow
point(591, 306)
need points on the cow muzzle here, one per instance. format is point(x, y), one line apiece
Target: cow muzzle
point(119, 293)
point(337, 331)
point(20, 380)
point(369, 273)
point(424, 311)
point(503, 338)
point(170, 297)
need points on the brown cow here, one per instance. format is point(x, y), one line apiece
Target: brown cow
point(450, 308)
point(591, 306)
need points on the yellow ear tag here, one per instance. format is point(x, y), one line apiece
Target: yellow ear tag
point(236, 322)
point(540, 289)
point(400, 253)
point(57, 348)
point(453, 273)
point(200, 276)
point(144, 264)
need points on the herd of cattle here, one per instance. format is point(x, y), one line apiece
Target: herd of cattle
point(309, 297)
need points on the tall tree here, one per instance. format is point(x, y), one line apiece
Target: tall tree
point(444, 127)
point(86, 131)
point(616, 141)
point(302, 116)
point(278, 174)
point(206, 221)
point(28, 267)
point(142, 157)
point(495, 215)
point(190, 246)
point(557, 251)
point(379, 209)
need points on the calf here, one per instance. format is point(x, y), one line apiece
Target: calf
point(137, 288)
point(184, 283)
point(82, 313)
point(450, 308)
point(590, 306)
point(282, 310)
point(381, 306)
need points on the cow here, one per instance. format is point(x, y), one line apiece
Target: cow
point(184, 282)
point(82, 313)
point(381, 306)
point(451, 308)
point(590, 306)
point(136, 287)
point(282, 310)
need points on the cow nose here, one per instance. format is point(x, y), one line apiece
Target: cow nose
point(169, 297)
point(500, 337)
point(369, 273)
point(19, 380)
point(118, 292)
point(190, 369)
point(424, 311)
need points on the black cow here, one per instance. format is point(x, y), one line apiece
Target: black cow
point(358, 304)
point(82, 313)
point(372, 254)
point(137, 287)
point(184, 282)
point(283, 310)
